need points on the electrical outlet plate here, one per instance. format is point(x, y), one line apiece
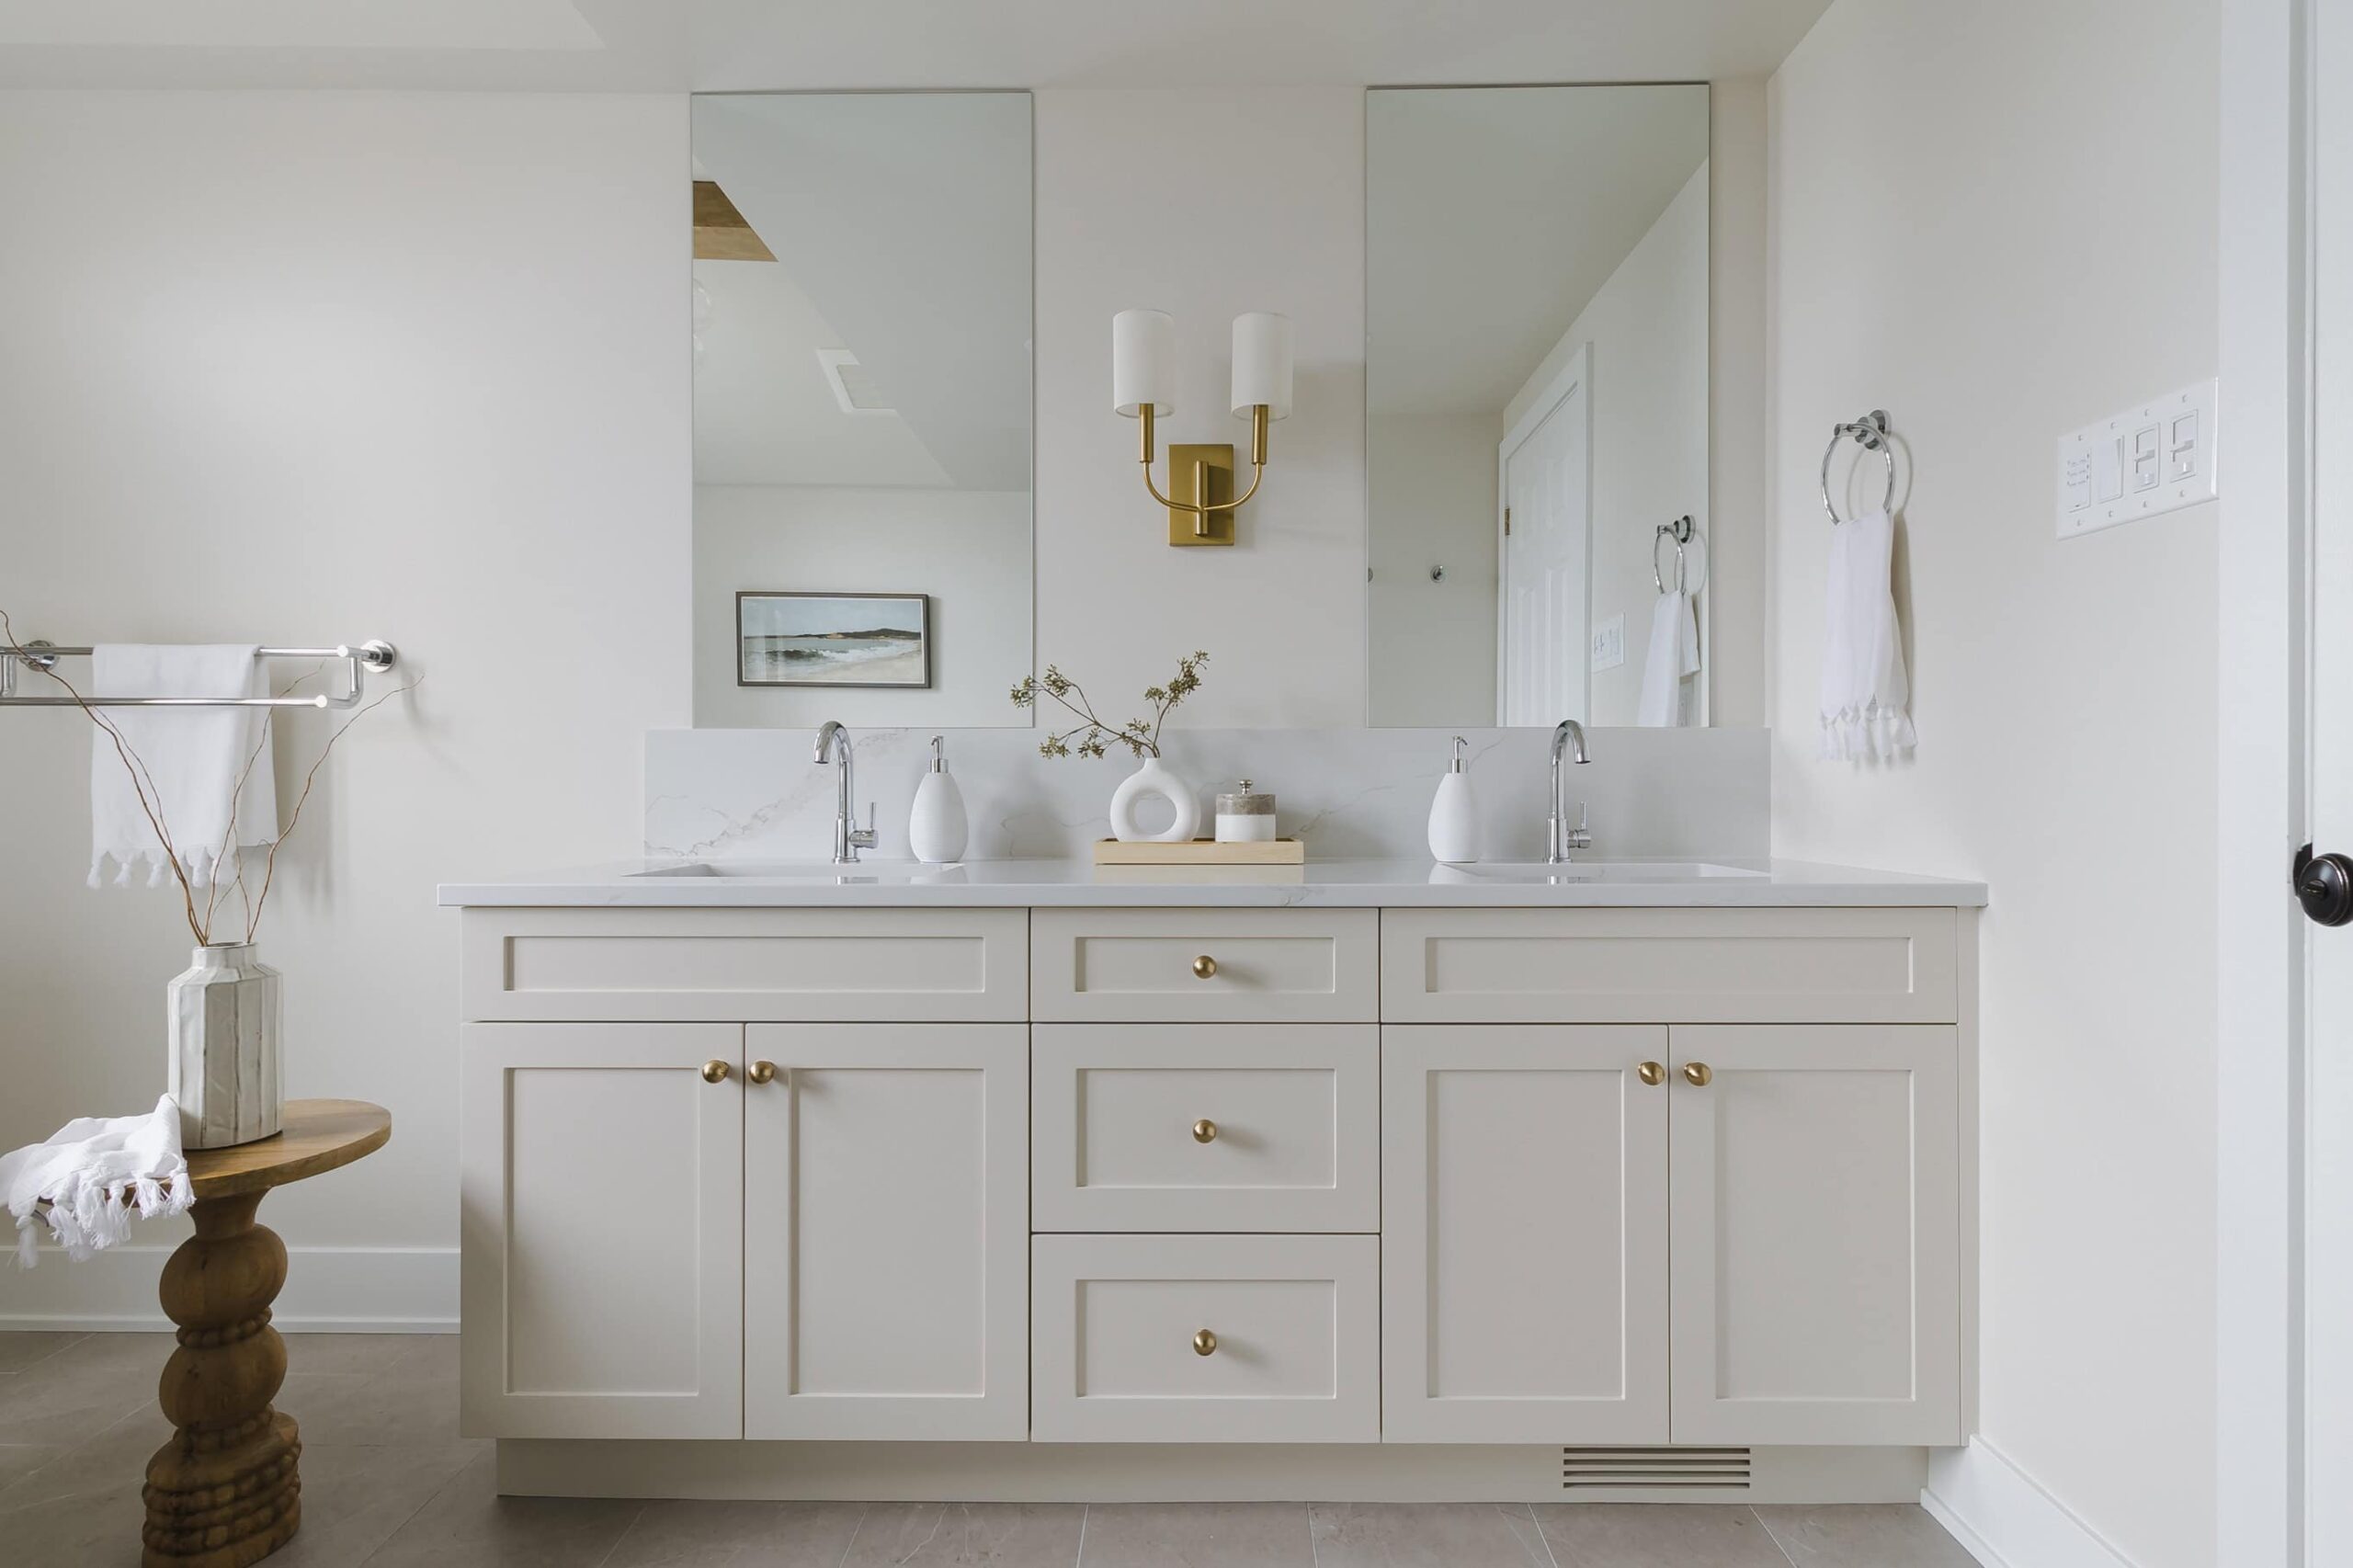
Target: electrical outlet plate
point(2144, 461)
point(1609, 645)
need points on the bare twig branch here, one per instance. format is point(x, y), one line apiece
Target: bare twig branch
point(269, 862)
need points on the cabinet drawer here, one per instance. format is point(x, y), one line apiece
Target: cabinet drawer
point(1147, 965)
point(1295, 1357)
point(1818, 966)
point(747, 965)
point(1213, 1126)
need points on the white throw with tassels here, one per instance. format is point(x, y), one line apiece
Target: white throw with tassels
point(92, 1176)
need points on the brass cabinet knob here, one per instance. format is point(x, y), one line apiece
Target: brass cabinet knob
point(1205, 1342)
point(714, 1070)
point(1204, 967)
point(1205, 1130)
point(1696, 1073)
point(761, 1073)
point(1651, 1072)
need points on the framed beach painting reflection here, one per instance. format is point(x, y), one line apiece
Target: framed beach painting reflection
point(799, 639)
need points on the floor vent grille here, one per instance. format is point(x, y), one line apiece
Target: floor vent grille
point(1659, 1469)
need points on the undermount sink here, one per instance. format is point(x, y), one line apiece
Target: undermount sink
point(1537, 871)
point(805, 871)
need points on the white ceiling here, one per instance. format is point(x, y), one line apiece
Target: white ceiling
point(901, 228)
point(679, 45)
point(1492, 219)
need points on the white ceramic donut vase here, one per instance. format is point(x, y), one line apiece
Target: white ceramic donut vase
point(1154, 778)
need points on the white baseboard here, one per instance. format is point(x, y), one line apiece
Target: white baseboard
point(328, 1290)
point(2003, 1516)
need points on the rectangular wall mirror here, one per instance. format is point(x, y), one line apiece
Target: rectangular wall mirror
point(861, 407)
point(1536, 392)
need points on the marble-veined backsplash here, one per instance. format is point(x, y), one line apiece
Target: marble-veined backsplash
point(1349, 793)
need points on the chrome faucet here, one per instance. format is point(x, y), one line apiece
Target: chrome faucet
point(1560, 837)
point(833, 746)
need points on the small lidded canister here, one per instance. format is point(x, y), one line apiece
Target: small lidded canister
point(1244, 817)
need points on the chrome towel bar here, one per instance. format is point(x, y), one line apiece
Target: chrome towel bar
point(374, 657)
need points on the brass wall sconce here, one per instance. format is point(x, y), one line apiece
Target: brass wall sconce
point(1200, 498)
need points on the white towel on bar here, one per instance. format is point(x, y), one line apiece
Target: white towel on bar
point(1864, 691)
point(91, 1176)
point(193, 758)
point(1673, 656)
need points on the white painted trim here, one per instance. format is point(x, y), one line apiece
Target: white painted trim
point(328, 1290)
point(2261, 811)
point(2003, 1516)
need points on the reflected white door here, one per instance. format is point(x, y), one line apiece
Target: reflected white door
point(1546, 484)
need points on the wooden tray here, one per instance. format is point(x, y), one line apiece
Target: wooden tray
point(1202, 852)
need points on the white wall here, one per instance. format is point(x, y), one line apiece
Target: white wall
point(1647, 328)
point(968, 549)
point(1998, 222)
point(1204, 203)
point(306, 368)
point(1432, 503)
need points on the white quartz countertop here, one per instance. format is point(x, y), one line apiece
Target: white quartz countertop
point(1323, 884)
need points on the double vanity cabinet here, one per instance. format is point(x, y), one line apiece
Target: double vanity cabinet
point(1666, 1185)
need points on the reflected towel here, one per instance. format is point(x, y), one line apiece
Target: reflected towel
point(1864, 691)
point(1673, 659)
point(195, 761)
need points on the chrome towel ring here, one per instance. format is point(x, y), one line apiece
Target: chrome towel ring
point(1679, 531)
point(1869, 432)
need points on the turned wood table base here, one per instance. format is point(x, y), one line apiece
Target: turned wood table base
point(226, 1490)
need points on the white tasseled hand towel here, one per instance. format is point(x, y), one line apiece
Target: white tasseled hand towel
point(1864, 691)
point(193, 757)
point(92, 1176)
point(1674, 655)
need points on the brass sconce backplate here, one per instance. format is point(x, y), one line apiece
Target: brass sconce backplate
point(1200, 475)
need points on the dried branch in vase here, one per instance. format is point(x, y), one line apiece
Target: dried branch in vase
point(1092, 736)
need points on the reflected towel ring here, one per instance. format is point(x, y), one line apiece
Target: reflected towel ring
point(1870, 433)
point(1679, 531)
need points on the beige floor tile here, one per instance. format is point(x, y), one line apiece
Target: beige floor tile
point(672, 1534)
point(93, 1531)
point(933, 1535)
point(117, 1455)
point(18, 1460)
point(1656, 1535)
point(1201, 1535)
point(1426, 1535)
point(372, 1410)
point(1887, 1535)
point(468, 1525)
point(351, 1353)
point(61, 1402)
point(354, 1498)
point(18, 1351)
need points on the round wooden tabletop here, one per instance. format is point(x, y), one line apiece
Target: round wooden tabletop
point(313, 1136)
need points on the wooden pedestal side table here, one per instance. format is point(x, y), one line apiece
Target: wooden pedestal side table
point(224, 1492)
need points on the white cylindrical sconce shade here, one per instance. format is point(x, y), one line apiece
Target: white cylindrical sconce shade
point(1143, 363)
point(1262, 363)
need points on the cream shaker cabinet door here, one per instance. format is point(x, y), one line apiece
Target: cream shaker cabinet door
point(1524, 1244)
point(886, 1231)
point(601, 1181)
point(1816, 1234)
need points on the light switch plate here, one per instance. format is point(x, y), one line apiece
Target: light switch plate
point(2146, 460)
point(1609, 645)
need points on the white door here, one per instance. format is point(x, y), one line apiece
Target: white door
point(1524, 1240)
point(600, 1209)
point(1816, 1222)
point(2328, 1206)
point(1546, 484)
point(886, 1231)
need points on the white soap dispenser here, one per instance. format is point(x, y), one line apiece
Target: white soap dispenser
point(937, 828)
point(1454, 815)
